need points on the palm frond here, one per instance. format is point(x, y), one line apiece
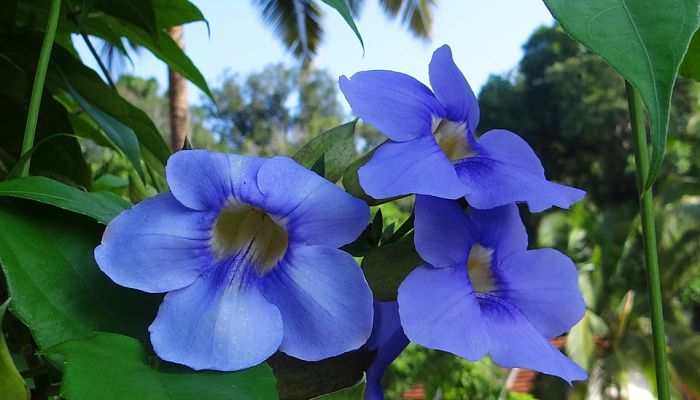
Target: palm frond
point(417, 14)
point(296, 22)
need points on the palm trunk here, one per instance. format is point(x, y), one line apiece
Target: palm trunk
point(177, 96)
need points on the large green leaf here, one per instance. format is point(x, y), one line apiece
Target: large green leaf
point(102, 206)
point(11, 382)
point(335, 148)
point(344, 10)
point(57, 289)
point(644, 40)
point(176, 12)
point(139, 13)
point(110, 366)
point(386, 267)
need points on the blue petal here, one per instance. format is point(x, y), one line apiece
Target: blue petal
point(516, 344)
point(203, 180)
point(500, 229)
point(439, 310)
point(452, 89)
point(221, 322)
point(418, 166)
point(543, 285)
point(389, 340)
point(398, 105)
point(314, 210)
point(506, 170)
point(443, 232)
point(325, 302)
point(156, 246)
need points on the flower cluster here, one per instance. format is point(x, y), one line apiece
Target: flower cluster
point(247, 251)
point(482, 291)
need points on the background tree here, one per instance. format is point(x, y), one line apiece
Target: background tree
point(177, 98)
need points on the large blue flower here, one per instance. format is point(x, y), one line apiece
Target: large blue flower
point(388, 340)
point(433, 150)
point(482, 292)
point(247, 249)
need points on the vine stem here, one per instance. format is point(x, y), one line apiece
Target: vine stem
point(646, 204)
point(39, 79)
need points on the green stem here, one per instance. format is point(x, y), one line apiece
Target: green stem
point(649, 239)
point(39, 78)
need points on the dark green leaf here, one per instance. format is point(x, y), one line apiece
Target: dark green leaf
point(139, 13)
point(386, 267)
point(356, 392)
point(89, 85)
point(176, 12)
point(57, 289)
point(337, 148)
point(690, 68)
point(102, 206)
point(342, 7)
point(186, 145)
point(110, 366)
point(11, 382)
point(644, 40)
point(123, 137)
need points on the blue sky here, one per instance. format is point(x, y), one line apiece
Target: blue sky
point(485, 36)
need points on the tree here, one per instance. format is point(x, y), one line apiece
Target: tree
point(177, 98)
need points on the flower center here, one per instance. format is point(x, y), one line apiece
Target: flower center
point(252, 230)
point(452, 138)
point(479, 269)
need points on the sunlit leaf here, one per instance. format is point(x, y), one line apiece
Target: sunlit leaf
point(11, 382)
point(644, 40)
point(336, 148)
point(342, 7)
point(110, 366)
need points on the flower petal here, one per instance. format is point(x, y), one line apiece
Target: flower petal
point(418, 166)
point(443, 232)
point(438, 310)
point(204, 180)
point(398, 105)
point(389, 341)
point(315, 210)
point(543, 285)
point(219, 322)
point(516, 344)
point(157, 245)
point(506, 170)
point(325, 302)
point(452, 89)
point(500, 229)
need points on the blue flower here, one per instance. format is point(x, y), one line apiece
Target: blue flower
point(433, 150)
point(247, 250)
point(388, 340)
point(482, 292)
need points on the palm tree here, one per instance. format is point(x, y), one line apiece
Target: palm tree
point(298, 23)
point(177, 99)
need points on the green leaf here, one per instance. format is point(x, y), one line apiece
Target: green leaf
point(176, 12)
point(123, 137)
point(139, 13)
point(690, 68)
point(89, 85)
point(335, 147)
point(56, 287)
point(110, 366)
point(164, 48)
point(102, 206)
point(351, 181)
point(344, 10)
point(11, 382)
point(645, 41)
point(356, 392)
point(386, 267)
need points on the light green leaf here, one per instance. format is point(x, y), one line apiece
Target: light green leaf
point(110, 366)
point(102, 206)
point(56, 287)
point(344, 10)
point(645, 41)
point(11, 382)
point(356, 392)
point(335, 148)
point(385, 267)
point(123, 137)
